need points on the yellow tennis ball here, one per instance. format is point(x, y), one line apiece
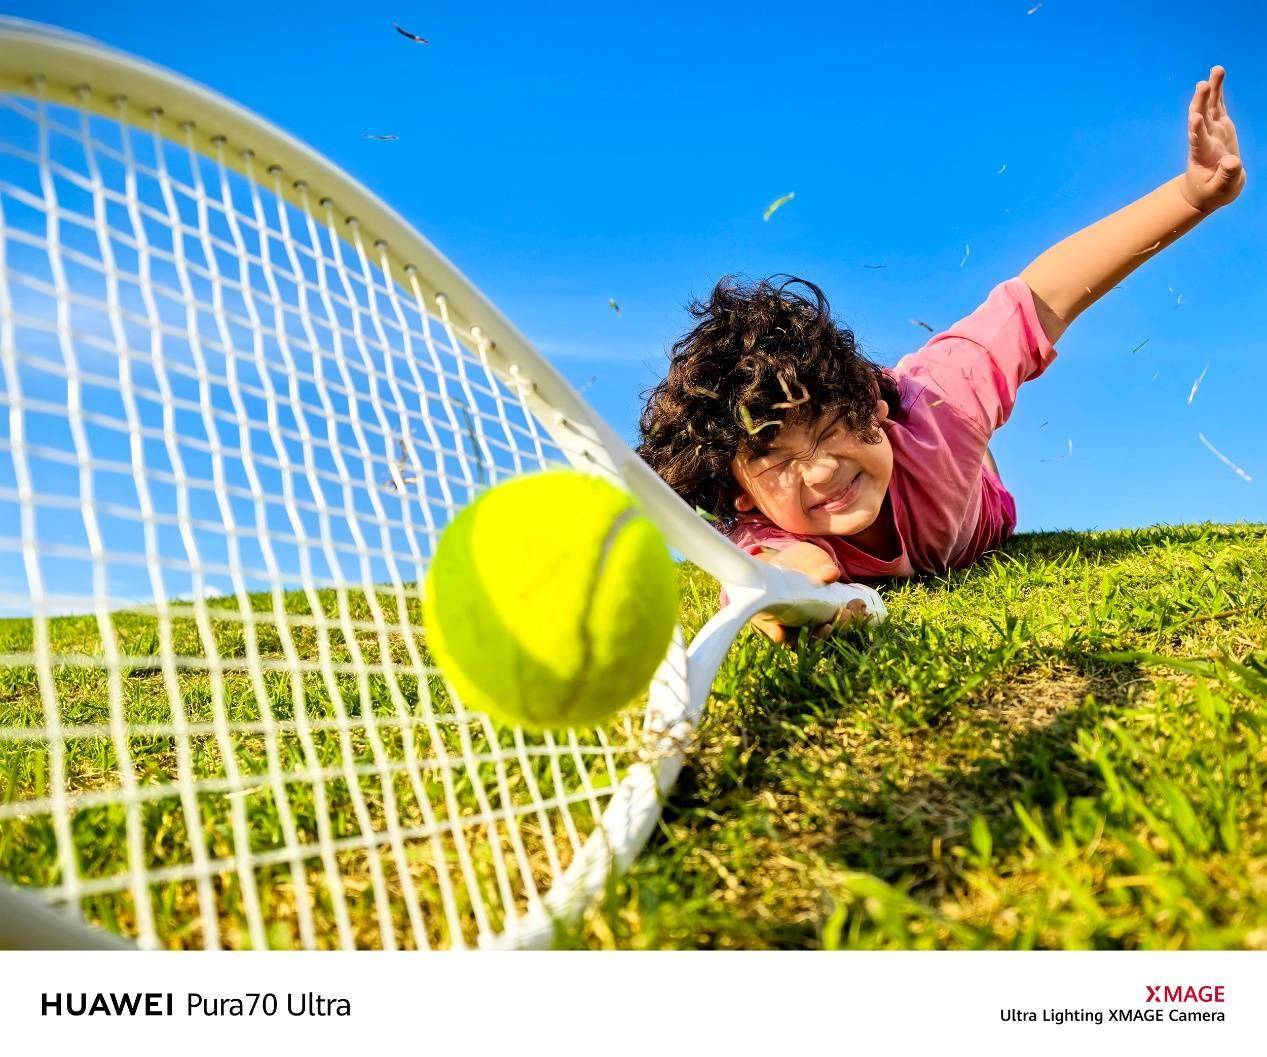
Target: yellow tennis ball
point(551, 600)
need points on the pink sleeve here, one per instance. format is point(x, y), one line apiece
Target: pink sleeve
point(977, 365)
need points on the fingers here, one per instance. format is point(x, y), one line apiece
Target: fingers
point(1229, 169)
point(1207, 98)
point(782, 635)
point(851, 613)
point(857, 609)
point(1218, 108)
point(779, 634)
point(772, 629)
point(1211, 133)
point(820, 569)
point(1196, 130)
point(1200, 102)
point(809, 560)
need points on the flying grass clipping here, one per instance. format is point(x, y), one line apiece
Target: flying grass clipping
point(777, 204)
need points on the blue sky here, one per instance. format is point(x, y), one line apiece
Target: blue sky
point(561, 158)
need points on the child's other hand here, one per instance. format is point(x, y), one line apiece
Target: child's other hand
point(810, 560)
point(1215, 172)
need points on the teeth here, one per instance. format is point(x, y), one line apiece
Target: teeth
point(841, 494)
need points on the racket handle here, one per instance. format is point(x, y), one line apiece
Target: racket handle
point(818, 605)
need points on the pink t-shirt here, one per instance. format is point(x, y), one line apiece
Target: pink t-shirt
point(947, 507)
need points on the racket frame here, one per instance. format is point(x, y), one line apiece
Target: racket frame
point(77, 72)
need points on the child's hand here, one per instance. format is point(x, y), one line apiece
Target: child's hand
point(1215, 173)
point(810, 560)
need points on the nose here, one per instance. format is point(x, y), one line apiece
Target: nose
point(820, 469)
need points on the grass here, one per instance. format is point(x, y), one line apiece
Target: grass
point(1060, 747)
point(276, 775)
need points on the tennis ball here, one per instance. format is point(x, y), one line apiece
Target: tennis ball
point(550, 600)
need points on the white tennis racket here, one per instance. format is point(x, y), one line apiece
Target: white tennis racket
point(239, 400)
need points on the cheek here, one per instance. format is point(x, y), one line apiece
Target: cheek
point(880, 456)
point(877, 461)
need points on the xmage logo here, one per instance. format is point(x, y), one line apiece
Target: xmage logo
point(1185, 993)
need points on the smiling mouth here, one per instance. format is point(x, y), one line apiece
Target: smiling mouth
point(842, 500)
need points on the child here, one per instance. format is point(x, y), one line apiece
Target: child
point(814, 458)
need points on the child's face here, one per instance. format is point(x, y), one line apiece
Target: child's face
point(818, 479)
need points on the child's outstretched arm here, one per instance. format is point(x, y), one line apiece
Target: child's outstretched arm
point(1076, 272)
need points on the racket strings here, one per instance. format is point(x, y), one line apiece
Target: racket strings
point(238, 298)
point(232, 427)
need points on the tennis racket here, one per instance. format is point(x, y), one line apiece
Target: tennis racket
point(240, 398)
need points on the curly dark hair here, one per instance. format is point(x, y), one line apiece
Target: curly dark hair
point(761, 357)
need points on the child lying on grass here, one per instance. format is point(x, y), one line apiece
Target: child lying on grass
point(814, 458)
